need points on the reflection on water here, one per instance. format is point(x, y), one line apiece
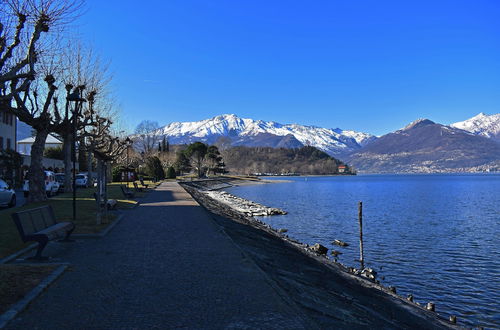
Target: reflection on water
point(435, 236)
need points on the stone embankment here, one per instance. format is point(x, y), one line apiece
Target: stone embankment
point(344, 296)
point(242, 205)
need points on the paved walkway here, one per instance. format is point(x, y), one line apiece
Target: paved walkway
point(166, 265)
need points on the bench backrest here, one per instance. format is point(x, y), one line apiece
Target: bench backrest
point(33, 220)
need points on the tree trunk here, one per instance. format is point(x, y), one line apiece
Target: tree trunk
point(89, 167)
point(199, 164)
point(68, 165)
point(101, 198)
point(105, 187)
point(36, 173)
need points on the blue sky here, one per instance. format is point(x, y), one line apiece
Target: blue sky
point(370, 66)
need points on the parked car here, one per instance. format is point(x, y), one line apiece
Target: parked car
point(82, 180)
point(7, 195)
point(51, 186)
point(60, 179)
point(55, 188)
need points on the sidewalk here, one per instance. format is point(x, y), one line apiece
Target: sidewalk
point(166, 265)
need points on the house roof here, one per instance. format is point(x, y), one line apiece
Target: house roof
point(50, 139)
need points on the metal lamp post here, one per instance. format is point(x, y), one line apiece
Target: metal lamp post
point(128, 142)
point(75, 97)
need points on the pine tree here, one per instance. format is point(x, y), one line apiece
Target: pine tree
point(164, 145)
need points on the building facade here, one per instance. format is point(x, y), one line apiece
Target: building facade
point(8, 129)
point(24, 145)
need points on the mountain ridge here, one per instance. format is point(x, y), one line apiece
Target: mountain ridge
point(481, 124)
point(245, 131)
point(427, 147)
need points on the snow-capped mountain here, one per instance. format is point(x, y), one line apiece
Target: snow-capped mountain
point(424, 146)
point(482, 124)
point(250, 132)
point(360, 137)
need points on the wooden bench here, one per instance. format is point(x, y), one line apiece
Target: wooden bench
point(141, 180)
point(137, 188)
point(110, 203)
point(127, 192)
point(40, 225)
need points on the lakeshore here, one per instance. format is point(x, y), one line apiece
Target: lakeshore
point(430, 236)
point(328, 292)
point(170, 263)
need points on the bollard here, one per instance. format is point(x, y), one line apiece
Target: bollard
point(430, 306)
point(453, 319)
point(410, 297)
point(360, 218)
point(392, 289)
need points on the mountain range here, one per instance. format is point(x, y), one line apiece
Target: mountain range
point(427, 147)
point(238, 131)
point(421, 146)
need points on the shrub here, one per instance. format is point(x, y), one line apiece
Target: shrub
point(116, 173)
point(54, 153)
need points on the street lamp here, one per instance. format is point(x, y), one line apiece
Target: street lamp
point(128, 141)
point(75, 97)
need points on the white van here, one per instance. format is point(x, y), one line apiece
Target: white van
point(51, 185)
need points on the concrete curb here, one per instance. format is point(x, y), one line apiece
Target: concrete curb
point(18, 253)
point(23, 303)
point(102, 233)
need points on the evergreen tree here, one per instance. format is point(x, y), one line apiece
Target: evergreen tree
point(182, 163)
point(10, 164)
point(197, 152)
point(171, 172)
point(154, 168)
point(164, 147)
point(214, 159)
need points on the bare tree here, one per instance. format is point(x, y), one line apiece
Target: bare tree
point(84, 70)
point(147, 136)
point(106, 148)
point(23, 23)
point(24, 91)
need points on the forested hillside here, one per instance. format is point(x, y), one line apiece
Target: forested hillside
point(305, 160)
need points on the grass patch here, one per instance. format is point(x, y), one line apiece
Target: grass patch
point(16, 281)
point(62, 204)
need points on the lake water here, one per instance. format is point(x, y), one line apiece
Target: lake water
point(435, 236)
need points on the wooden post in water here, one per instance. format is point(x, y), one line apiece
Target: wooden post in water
point(360, 218)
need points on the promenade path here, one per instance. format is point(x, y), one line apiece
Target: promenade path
point(165, 265)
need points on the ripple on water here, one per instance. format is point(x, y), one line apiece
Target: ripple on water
point(435, 236)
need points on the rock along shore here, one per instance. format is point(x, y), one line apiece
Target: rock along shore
point(331, 294)
point(242, 205)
